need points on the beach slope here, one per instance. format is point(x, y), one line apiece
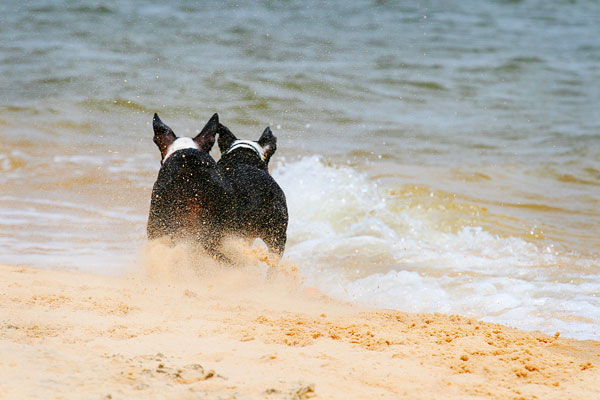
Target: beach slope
point(232, 335)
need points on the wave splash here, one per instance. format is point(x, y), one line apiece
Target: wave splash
point(354, 240)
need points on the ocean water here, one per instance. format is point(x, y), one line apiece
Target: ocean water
point(436, 157)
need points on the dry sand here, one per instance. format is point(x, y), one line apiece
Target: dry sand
point(226, 333)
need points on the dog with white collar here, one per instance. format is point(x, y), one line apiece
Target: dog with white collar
point(259, 204)
point(192, 197)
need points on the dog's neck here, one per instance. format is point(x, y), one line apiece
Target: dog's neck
point(180, 144)
point(247, 144)
point(242, 157)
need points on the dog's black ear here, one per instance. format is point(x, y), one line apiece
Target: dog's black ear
point(269, 143)
point(226, 138)
point(206, 138)
point(163, 135)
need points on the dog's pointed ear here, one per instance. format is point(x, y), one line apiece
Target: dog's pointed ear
point(269, 143)
point(206, 138)
point(163, 135)
point(226, 138)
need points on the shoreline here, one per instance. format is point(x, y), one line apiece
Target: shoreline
point(230, 334)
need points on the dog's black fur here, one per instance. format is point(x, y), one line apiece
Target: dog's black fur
point(191, 198)
point(259, 205)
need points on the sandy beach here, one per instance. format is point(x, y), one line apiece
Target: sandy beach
point(227, 333)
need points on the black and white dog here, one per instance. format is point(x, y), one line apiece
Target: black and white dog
point(259, 205)
point(191, 198)
point(197, 199)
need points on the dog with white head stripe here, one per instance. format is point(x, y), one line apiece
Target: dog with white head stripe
point(191, 198)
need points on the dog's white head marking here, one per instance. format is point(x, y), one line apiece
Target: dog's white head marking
point(180, 144)
point(248, 144)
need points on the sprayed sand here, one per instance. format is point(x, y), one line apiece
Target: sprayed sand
point(226, 333)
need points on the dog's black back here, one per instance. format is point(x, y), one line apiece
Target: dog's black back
point(191, 197)
point(259, 205)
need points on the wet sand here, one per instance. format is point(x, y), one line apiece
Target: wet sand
point(232, 335)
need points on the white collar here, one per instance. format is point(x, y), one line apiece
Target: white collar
point(247, 144)
point(180, 144)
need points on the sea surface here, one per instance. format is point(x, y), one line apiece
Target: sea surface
point(436, 156)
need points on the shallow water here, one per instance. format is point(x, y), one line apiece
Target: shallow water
point(435, 157)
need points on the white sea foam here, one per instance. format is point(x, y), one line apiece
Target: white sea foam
point(352, 245)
